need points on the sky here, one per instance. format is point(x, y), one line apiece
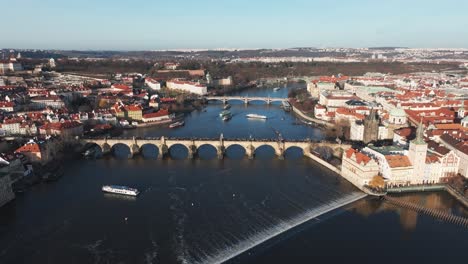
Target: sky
point(209, 24)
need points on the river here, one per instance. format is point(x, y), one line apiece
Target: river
point(207, 210)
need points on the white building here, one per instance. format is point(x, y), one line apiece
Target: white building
point(153, 84)
point(464, 121)
point(440, 167)
point(44, 101)
point(52, 63)
point(460, 147)
point(10, 65)
point(357, 131)
point(187, 86)
point(335, 99)
point(358, 167)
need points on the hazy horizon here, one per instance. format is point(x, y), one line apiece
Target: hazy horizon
point(224, 49)
point(208, 24)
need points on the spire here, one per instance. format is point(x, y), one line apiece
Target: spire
point(419, 134)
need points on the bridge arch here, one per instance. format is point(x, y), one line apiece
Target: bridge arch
point(178, 151)
point(150, 151)
point(265, 151)
point(294, 152)
point(121, 150)
point(93, 148)
point(208, 151)
point(235, 151)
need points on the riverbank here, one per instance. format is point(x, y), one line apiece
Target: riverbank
point(310, 119)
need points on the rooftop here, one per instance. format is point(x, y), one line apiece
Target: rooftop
point(398, 161)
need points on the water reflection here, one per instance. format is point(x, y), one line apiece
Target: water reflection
point(113, 196)
point(408, 219)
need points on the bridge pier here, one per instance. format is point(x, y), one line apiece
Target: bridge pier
point(192, 151)
point(106, 149)
point(134, 149)
point(280, 153)
point(163, 151)
point(250, 151)
point(220, 150)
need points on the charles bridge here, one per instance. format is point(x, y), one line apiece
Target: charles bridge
point(163, 145)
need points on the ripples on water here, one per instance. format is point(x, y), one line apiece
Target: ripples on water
point(190, 211)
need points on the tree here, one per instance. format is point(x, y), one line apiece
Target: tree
point(324, 152)
point(377, 182)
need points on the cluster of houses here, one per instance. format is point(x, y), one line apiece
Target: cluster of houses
point(386, 107)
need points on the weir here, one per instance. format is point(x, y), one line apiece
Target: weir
point(265, 235)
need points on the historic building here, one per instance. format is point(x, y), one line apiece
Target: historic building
point(371, 127)
point(359, 167)
point(417, 155)
point(396, 120)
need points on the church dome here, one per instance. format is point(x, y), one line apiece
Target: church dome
point(397, 112)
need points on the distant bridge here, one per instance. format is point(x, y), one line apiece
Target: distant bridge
point(192, 145)
point(245, 99)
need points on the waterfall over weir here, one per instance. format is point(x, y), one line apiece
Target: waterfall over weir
point(260, 237)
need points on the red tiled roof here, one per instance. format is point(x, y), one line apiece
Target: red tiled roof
point(7, 104)
point(121, 86)
point(162, 112)
point(405, 131)
point(30, 147)
point(431, 159)
point(360, 157)
point(61, 125)
point(398, 161)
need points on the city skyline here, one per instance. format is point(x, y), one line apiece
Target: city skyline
point(118, 25)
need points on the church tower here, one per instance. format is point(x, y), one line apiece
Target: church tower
point(417, 155)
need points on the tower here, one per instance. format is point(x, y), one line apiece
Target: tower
point(371, 127)
point(417, 155)
point(209, 80)
point(52, 62)
point(461, 110)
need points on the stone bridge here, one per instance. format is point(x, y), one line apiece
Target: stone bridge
point(192, 145)
point(244, 99)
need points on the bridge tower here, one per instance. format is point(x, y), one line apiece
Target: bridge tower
point(163, 149)
point(246, 100)
point(220, 150)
